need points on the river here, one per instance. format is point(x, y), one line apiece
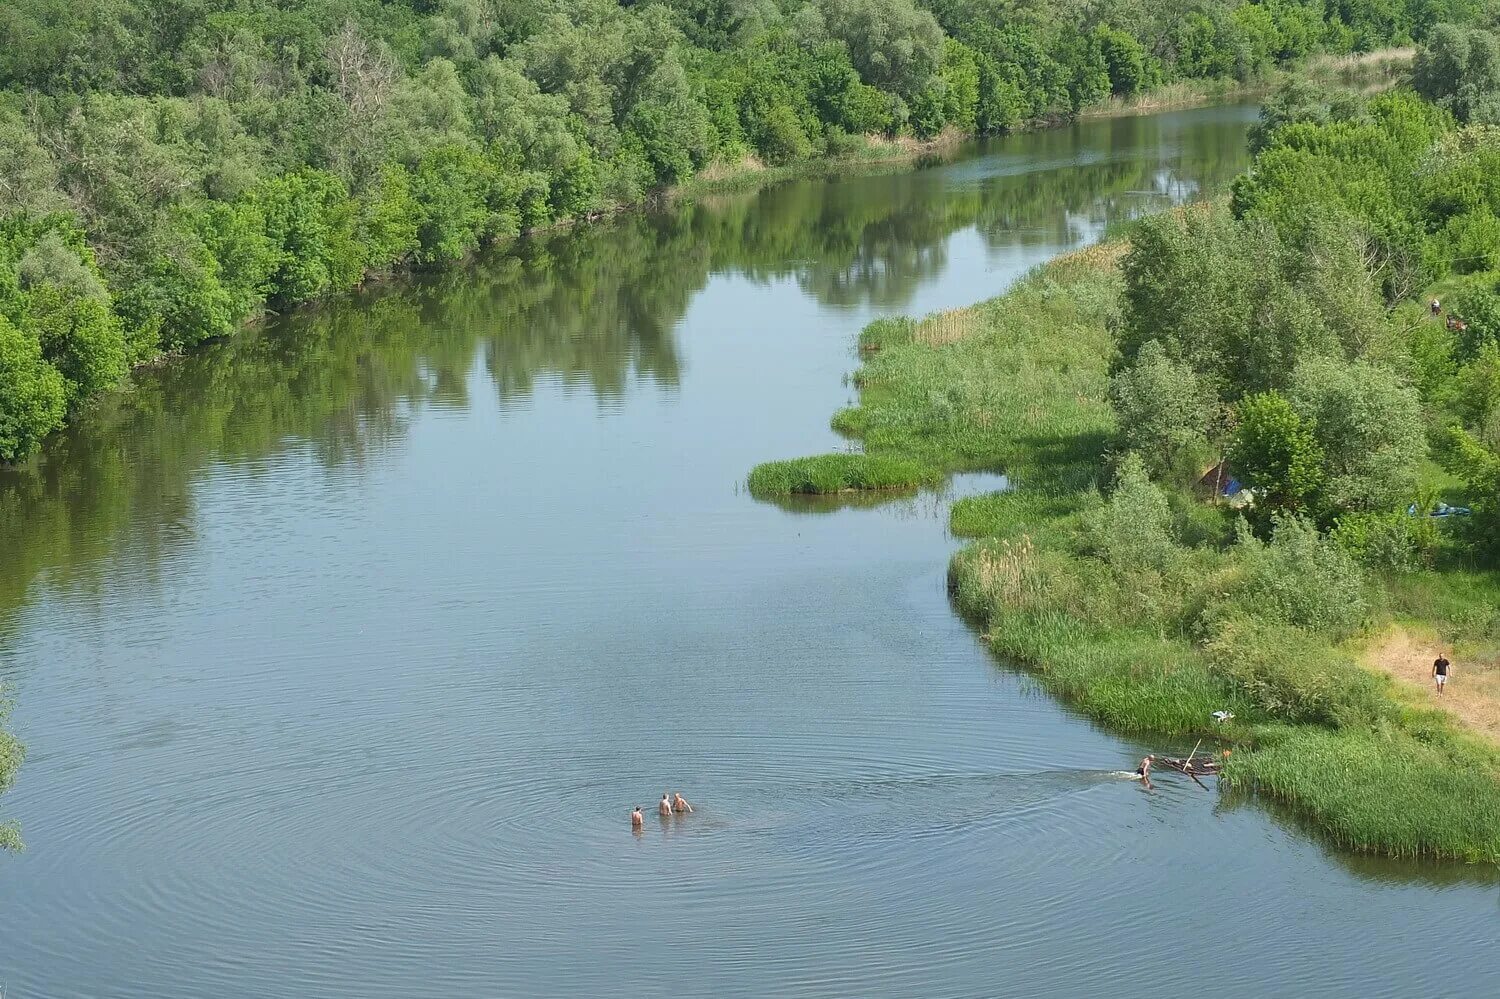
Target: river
point(342, 649)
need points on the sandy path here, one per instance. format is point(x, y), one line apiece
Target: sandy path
point(1473, 694)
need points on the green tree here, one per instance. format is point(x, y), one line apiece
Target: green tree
point(309, 220)
point(1478, 305)
point(1299, 578)
point(894, 45)
point(1124, 58)
point(1369, 427)
point(1167, 414)
point(81, 337)
point(1458, 68)
point(1275, 452)
point(1476, 461)
point(33, 397)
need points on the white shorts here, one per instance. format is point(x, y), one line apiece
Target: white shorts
point(1441, 678)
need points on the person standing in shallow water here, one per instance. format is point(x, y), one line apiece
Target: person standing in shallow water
point(1440, 667)
point(664, 807)
point(680, 804)
point(637, 820)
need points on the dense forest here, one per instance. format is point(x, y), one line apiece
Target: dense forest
point(173, 168)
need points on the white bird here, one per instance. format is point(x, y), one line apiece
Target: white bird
point(1222, 716)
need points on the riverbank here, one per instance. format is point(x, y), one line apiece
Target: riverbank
point(1140, 605)
point(408, 222)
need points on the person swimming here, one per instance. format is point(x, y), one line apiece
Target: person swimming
point(664, 807)
point(680, 804)
point(1144, 770)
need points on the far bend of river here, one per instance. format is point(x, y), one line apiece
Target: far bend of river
point(341, 650)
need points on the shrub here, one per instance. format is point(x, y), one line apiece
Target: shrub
point(1478, 306)
point(1299, 578)
point(81, 337)
point(1388, 542)
point(1134, 529)
point(780, 137)
point(1369, 428)
point(1291, 674)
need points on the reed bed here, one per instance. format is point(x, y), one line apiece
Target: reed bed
point(1380, 791)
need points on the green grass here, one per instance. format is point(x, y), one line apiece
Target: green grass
point(1143, 631)
point(1380, 791)
point(837, 473)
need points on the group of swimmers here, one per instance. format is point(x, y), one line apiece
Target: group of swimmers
point(669, 805)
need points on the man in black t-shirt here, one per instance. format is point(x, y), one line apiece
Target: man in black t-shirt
point(1440, 668)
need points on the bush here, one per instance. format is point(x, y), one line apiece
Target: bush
point(174, 294)
point(81, 337)
point(1293, 675)
point(1133, 531)
point(1369, 428)
point(310, 225)
point(1298, 578)
point(1388, 542)
point(780, 137)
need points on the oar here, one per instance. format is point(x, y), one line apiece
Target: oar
point(1187, 767)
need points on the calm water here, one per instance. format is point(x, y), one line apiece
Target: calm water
point(341, 651)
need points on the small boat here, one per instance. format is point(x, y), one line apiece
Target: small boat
point(1207, 766)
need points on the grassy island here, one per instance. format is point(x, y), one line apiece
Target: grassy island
point(1284, 342)
point(837, 473)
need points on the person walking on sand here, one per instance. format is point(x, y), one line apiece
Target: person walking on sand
point(680, 804)
point(1440, 667)
point(664, 807)
point(637, 820)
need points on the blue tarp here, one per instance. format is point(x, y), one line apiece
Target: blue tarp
point(1443, 510)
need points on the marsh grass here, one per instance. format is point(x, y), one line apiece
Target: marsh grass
point(1367, 71)
point(1138, 605)
point(1380, 790)
point(838, 473)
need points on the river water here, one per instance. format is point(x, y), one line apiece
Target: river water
point(342, 649)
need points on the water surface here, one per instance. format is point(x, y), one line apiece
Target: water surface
point(343, 648)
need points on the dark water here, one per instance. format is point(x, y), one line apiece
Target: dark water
point(342, 650)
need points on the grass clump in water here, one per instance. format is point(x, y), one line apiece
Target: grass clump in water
point(837, 473)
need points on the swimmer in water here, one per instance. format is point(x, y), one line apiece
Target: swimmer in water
point(637, 819)
point(664, 807)
point(1144, 770)
point(680, 804)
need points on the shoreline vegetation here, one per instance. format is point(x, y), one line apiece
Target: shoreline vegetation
point(168, 176)
point(171, 177)
point(1286, 331)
